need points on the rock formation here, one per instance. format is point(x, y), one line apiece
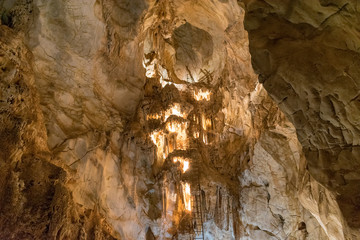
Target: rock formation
point(307, 57)
point(134, 119)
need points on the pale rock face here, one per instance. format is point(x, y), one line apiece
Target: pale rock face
point(307, 55)
point(91, 81)
point(34, 197)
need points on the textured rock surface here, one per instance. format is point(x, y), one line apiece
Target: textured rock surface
point(80, 81)
point(307, 55)
point(35, 202)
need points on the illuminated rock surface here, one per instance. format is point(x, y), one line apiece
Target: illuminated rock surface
point(117, 117)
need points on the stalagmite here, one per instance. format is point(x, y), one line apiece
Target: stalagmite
point(187, 196)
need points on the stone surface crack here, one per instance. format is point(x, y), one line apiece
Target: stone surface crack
point(92, 149)
point(335, 13)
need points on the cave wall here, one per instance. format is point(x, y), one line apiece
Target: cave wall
point(35, 201)
point(76, 146)
point(307, 57)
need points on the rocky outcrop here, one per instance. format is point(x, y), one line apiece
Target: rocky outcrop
point(307, 57)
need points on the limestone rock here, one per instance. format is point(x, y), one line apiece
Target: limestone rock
point(307, 56)
point(120, 119)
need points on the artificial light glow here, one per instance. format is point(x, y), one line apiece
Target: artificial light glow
point(202, 95)
point(180, 87)
point(208, 123)
point(174, 110)
point(186, 166)
point(158, 139)
point(196, 134)
point(154, 137)
point(203, 121)
point(187, 196)
point(182, 140)
point(205, 139)
point(179, 133)
point(171, 144)
point(153, 116)
point(165, 80)
point(184, 163)
point(163, 83)
point(176, 126)
point(150, 68)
